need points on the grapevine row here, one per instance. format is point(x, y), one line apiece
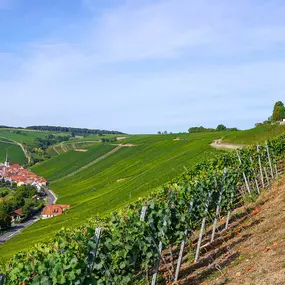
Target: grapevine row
point(127, 248)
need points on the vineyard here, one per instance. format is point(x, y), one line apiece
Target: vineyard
point(130, 246)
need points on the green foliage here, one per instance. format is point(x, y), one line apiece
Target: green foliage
point(259, 133)
point(278, 112)
point(5, 221)
point(128, 245)
point(200, 129)
point(221, 128)
point(16, 154)
point(80, 131)
point(65, 163)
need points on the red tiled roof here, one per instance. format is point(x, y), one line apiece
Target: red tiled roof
point(18, 212)
point(54, 209)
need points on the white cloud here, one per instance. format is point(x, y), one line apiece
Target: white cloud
point(143, 67)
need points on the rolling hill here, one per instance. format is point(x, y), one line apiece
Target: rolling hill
point(140, 164)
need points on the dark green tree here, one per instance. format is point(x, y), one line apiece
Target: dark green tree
point(28, 208)
point(278, 112)
point(221, 128)
point(5, 221)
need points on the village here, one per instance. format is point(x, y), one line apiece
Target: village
point(24, 197)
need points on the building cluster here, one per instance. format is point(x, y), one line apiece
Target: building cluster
point(14, 173)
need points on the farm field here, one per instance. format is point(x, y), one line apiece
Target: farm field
point(65, 163)
point(14, 151)
point(124, 176)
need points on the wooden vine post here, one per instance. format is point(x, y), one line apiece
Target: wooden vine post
point(179, 261)
point(159, 249)
point(244, 175)
point(254, 174)
point(2, 279)
point(266, 176)
point(202, 228)
point(276, 170)
point(218, 206)
point(93, 253)
point(229, 211)
point(260, 167)
point(269, 160)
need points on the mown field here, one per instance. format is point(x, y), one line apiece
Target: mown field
point(14, 151)
point(124, 176)
point(67, 162)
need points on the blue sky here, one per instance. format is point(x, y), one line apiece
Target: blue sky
point(141, 66)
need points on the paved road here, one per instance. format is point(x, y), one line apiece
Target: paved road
point(17, 228)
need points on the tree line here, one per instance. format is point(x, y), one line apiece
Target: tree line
point(77, 131)
point(219, 128)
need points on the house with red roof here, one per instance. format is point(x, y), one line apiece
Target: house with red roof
point(17, 215)
point(54, 210)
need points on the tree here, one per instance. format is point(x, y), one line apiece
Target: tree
point(221, 128)
point(159, 132)
point(278, 112)
point(5, 221)
point(28, 208)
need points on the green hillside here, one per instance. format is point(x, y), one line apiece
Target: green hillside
point(127, 174)
point(14, 151)
point(124, 176)
point(65, 163)
point(260, 133)
point(22, 136)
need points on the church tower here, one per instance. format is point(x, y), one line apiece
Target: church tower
point(7, 160)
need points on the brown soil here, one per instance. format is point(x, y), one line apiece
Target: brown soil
point(121, 138)
point(219, 144)
point(178, 139)
point(81, 150)
point(251, 252)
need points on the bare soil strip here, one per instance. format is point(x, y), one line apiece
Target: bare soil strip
point(219, 144)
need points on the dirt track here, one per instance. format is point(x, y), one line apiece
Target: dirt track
point(219, 144)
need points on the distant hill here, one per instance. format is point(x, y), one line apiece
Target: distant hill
point(72, 130)
point(81, 131)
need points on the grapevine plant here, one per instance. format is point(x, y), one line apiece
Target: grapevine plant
point(127, 250)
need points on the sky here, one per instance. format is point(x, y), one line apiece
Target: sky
point(141, 66)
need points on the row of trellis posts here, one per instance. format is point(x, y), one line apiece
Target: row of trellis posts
point(264, 182)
